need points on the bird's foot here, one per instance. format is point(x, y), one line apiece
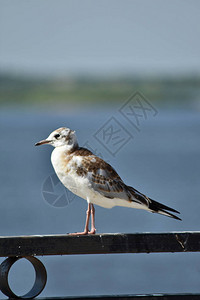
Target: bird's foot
point(79, 233)
point(92, 231)
point(85, 232)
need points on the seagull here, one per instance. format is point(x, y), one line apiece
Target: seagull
point(94, 180)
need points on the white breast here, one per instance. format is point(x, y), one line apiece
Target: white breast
point(66, 172)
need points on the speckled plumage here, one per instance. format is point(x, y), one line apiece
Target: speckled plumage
point(91, 178)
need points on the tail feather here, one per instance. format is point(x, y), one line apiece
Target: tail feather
point(160, 208)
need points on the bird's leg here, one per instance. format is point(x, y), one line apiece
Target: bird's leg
point(86, 230)
point(93, 229)
point(88, 213)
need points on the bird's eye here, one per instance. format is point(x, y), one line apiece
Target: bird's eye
point(57, 136)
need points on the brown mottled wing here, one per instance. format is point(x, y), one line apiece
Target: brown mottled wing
point(105, 180)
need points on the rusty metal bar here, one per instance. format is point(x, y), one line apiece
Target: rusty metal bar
point(37, 245)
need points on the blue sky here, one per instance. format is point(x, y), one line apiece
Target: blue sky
point(57, 37)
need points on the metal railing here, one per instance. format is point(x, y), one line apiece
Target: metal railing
point(17, 247)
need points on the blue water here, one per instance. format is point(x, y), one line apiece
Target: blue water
point(161, 160)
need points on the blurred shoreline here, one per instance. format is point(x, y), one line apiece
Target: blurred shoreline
point(83, 92)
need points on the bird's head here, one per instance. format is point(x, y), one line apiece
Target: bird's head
point(61, 137)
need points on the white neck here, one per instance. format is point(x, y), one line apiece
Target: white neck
point(67, 147)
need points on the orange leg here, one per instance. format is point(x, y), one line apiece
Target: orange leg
point(90, 212)
point(93, 229)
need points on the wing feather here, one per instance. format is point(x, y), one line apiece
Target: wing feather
point(105, 180)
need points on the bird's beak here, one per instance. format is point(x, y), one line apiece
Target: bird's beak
point(43, 142)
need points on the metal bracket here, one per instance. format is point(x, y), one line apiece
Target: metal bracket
point(40, 277)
